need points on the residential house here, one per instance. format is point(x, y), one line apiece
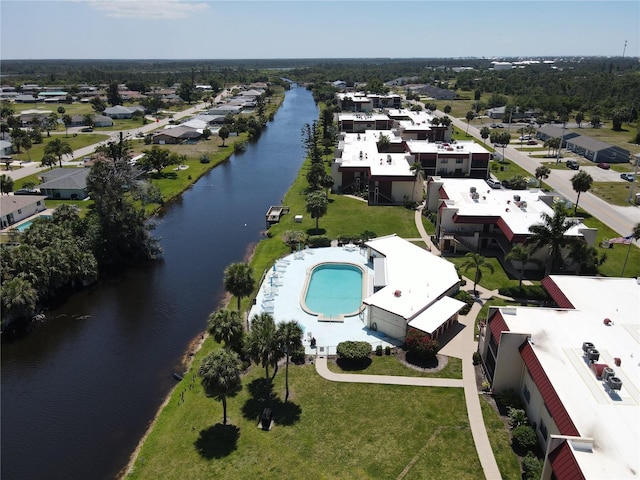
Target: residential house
point(225, 109)
point(27, 98)
point(412, 125)
point(360, 122)
point(102, 121)
point(597, 151)
point(576, 370)
point(175, 135)
point(354, 102)
point(548, 131)
point(411, 289)
point(120, 111)
point(6, 148)
point(432, 91)
point(14, 208)
point(472, 216)
point(64, 183)
point(455, 159)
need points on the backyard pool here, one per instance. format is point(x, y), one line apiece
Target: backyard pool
point(334, 290)
point(25, 226)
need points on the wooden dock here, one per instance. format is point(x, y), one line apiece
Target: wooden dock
point(275, 213)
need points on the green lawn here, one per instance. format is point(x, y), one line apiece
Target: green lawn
point(390, 365)
point(499, 278)
point(327, 430)
point(615, 193)
point(75, 142)
point(500, 443)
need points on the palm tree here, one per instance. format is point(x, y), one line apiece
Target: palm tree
point(416, 168)
point(226, 327)
point(317, 205)
point(58, 148)
point(262, 343)
point(584, 256)
point(485, 132)
point(19, 299)
point(220, 375)
point(635, 235)
point(6, 184)
point(290, 339)
point(550, 235)
point(238, 280)
point(67, 120)
point(475, 261)
point(48, 160)
point(581, 182)
point(469, 116)
point(522, 255)
point(542, 173)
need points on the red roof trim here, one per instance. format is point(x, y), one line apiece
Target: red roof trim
point(443, 193)
point(564, 464)
point(502, 225)
point(497, 325)
point(549, 395)
point(556, 293)
point(472, 219)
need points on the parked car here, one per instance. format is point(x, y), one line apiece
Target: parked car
point(494, 183)
point(604, 166)
point(494, 125)
point(629, 177)
point(500, 125)
point(532, 142)
point(572, 164)
point(86, 129)
point(525, 137)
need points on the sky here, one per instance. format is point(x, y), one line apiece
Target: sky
point(243, 29)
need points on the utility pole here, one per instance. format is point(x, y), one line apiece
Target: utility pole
point(564, 125)
point(635, 178)
point(624, 49)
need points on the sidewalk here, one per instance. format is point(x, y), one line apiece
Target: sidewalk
point(461, 346)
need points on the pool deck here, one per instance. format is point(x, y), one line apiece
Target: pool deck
point(281, 297)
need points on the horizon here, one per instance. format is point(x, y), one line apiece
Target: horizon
point(317, 29)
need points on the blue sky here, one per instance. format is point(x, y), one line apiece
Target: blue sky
point(181, 29)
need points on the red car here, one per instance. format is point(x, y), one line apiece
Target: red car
point(532, 142)
point(604, 166)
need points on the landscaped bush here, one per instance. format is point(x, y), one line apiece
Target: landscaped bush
point(477, 358)
point(517, 417)
point(532, 467)
point(354, 351)
point(319, 241)
point(467, 299)
point(342, 239)
point(509, 398)
point(239, 146)
point(524, 437)
point(379, 350)
point(420, 345)
point(530, 292)
point(298, 356)
point(293, 238)
point(387, 350)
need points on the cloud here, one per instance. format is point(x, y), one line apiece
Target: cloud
point(149, 9)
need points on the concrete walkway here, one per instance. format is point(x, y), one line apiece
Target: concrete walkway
point(462, 346)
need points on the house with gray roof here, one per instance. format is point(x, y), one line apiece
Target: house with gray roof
point(597, 151)
point(175, 135)
point(119, 111)
point(6, 148)
point(553, 131)
point(65, 183)
point(225, 109)
point(14, 208)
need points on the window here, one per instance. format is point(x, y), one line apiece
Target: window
point(444, 160)
point(459, 160)
point(527, 394)
point(19, 210)
point(543, 430)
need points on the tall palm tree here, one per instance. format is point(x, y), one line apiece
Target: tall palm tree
point(581, 182)
point(262, 343)
point(58, 148)
point(475, 261)
point(522, 255)
point(485, 132)
point(220, 375)
point(542, 173)
point(635, 235)
point(290, 339)
point(238, 280)
point(226, 327)
point(550, 234)
point(416, 169)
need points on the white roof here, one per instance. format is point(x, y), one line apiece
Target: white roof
point(612, 420)
point(420, 277)
point(518, 216)
point(360, 150)
point(438, 313)
point(362, 117)
point(459, 147)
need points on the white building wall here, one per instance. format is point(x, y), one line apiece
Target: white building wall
point(22, 213)
point(536, 410)
point(401, 189)
point(509, 364)
point(387, 323)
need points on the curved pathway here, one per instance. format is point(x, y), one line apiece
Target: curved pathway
point(461, 346)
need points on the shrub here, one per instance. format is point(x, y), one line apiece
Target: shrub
point(353, 351)
point(205, 158)
point(532, 467)
point(510, 398)
point(298, 356)
point(477, 358)
point(517, 417)
point(421, 345)
point(239, 146)
point(524, 437)
point(348, 239)
point(467, 299)
point(387, 350)
point(319, 241)
point(294, 237)
point(530, 292)
point(379, 350)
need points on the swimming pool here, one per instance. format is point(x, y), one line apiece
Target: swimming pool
point(25, 226)
point(333, 290)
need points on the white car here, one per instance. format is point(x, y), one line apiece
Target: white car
point(525, 137)
point(494, 183)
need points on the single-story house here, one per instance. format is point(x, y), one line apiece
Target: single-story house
point(175, 135)
point(102, 121)
point(6, 148)
point(432, 91)
point(14, 208)
point(64, 183)
point(411, 289)
point(548, 131)
point(120, 111)
point(597, 151)
point(225, 109)
point(27, 98)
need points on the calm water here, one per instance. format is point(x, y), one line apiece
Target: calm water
point(334, 289)
point(80, 391)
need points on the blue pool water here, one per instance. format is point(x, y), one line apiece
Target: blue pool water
point(334, 289)
point(27, 224)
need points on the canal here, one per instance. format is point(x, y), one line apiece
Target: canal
point(79, 392)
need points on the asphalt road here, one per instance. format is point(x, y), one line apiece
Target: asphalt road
point(619, 219)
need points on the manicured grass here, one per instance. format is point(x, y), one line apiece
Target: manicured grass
point(327, 430)
point(500, 442)
point(499, 278)
point(75, 142)
point(390, 365)
point(615, 193)
point(492, 302)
